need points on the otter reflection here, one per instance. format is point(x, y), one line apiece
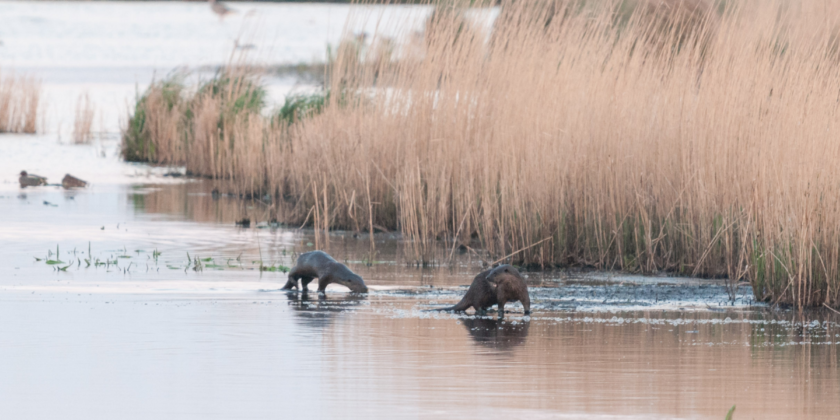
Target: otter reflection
point(497, 334)
point(318, 310)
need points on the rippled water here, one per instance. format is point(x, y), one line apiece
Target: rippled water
point(151, 337)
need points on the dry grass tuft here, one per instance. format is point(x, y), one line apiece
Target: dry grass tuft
point(698, 140)
point(83, 123)
point(19, 100)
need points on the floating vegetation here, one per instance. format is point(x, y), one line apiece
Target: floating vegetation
point(150, 261)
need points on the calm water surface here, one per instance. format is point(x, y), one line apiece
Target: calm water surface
point(144, 337)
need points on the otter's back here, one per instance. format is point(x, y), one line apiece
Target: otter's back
point(315, 259)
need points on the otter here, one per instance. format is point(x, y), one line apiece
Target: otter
point(496, 286)
point(509, 287)
point(480, 296)
point(320, 265)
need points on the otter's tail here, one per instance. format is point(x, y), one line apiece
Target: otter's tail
point(461, 306)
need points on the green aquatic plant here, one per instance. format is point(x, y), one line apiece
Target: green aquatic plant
point(300, 106)
point(158, 111)
point(729, 414)
point(239, 91)
point(274, 268)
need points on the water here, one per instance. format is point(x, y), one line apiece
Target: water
point(112, 50)
point(147, 334)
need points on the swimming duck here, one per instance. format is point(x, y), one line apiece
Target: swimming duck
point(71, 181)
point(31, 180)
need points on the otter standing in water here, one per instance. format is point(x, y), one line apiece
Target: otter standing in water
point(499, 285)
point(320, 265)
point(480, 296)
point(510, 287)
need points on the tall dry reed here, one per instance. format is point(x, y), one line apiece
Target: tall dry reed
point(83, 122)
point(19, 100)
point(680, 136)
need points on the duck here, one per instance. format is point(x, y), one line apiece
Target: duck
point(71, 181)
point(31, 180)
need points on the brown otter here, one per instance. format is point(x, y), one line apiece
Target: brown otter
point(480, 296)
point(510, 287)
point(320, 265)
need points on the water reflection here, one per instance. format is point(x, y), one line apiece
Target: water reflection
point(318, 309)
point(497, 334)
point(618, 346)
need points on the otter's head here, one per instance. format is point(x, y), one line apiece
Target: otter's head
point(501, 272)
point(354, 283)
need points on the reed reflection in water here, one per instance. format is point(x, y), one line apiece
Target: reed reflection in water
point(579, 366)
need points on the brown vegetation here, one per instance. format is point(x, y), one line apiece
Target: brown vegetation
point(19, 100)
point(693, 140)
point(83, 123)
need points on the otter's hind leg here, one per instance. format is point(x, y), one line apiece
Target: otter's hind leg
point(304, 283)
point(298, 274)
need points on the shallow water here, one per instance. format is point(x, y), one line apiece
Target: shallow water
point(122, 324)
point(152, 337)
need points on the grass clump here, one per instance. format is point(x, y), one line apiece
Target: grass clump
point(20, 97)
point(240, 92)
point(300, 106)
point(83, 122)
point(155, 130)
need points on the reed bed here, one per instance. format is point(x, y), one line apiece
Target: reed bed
point(688, 137)
point(83, 122)
point(20, 97)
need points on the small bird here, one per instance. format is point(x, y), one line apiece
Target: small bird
point(31, 180)
point(71, 181)
point(220, 9)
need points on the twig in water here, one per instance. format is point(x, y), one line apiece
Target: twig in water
point(516, 252)
point(476, 254)
point(461, 225)
point(831, 309)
